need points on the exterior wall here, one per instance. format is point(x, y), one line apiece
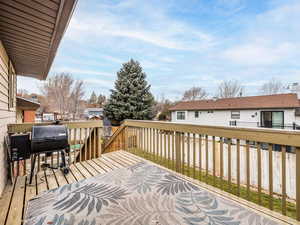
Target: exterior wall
point(7, 108)
point(248, 118)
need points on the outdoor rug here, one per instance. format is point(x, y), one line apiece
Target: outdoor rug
point(140, 194)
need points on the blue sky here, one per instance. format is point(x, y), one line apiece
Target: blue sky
point(181, 44)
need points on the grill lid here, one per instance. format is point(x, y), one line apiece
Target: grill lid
point(49, 132)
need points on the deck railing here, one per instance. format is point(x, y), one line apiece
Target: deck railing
point(85, 140)
point(240, 161)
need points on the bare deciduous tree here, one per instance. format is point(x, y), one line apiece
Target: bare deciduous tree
point(101, 100)
point(230, 89)
point(271, 87)
point(76, 97)
point(61, 93)
point(194, 93)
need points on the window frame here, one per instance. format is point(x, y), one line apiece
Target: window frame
point(196, 114)
point(235, 117)
point(180, 112)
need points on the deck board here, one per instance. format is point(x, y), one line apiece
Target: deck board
point(14, 200)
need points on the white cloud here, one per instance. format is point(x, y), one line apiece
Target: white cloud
point(30, 84)
point(75, 71)
point(259, 54)
point(99, 82)
point(154, 28)
point(272, 38)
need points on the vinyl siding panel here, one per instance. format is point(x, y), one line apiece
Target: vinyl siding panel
point(7, 114)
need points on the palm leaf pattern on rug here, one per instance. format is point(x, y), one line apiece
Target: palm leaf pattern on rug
point(171, 184)
point(202, 207)
point(91, 197)
point(137, 166)
point(241, 213)
point(151, 208)
point(62, 220)
point(147, 195)
point(40, 205)
point(145, 178)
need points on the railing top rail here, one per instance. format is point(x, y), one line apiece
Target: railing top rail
point(281, 137)
point(26, 127)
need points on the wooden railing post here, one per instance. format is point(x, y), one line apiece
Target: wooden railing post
point(177, 151)
point(298, 183)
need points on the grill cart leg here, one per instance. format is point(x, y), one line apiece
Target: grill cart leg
point(32, 168)
point(63, 163)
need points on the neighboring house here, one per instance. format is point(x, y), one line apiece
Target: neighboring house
point(271, 111)
point(47, 117)
point(93, 113)
point(30, 32)
point(26, 110)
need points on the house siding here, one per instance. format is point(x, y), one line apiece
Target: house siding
point(7, 108)
point(248, 118)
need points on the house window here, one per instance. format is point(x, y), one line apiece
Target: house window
point(180, 115)
point(196, 114)
point(210, 111)
point(235, 114)
point(272, 119)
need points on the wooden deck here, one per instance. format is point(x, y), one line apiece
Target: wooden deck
point(15, 196)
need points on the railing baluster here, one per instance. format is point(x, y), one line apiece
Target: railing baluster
point(75, 144)
point(270, 149)
point(160, 146)
point(80, 143)
point(283, 157)
point(94, 140)
point(182, 151)
point(206, 156)
point(229, 163)
point(165, 146)
point(90, 143)
point(178, 151)
point(99, 144)
point(194, 155)
point(155, 135)
point(238, 174)
point(200, 157)
point(248, 169)
point(24, 167)
point(85, 144)
point(150, 142)
point(39, 163)
point(298, 183)
point(258, 147)
point(221, 162)
point(147, 140)
point(214, 159)
point(188, 153)
point(169, 149)
point(173, 150)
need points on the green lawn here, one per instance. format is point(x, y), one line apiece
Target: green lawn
point(219, 183)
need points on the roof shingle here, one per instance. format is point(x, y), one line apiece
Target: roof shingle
point(250, 102)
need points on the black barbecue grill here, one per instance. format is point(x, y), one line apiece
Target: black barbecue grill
point(44, 139)
point(48, 139)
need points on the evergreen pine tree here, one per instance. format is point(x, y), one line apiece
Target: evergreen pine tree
point(131, 98)
point(93, 98)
